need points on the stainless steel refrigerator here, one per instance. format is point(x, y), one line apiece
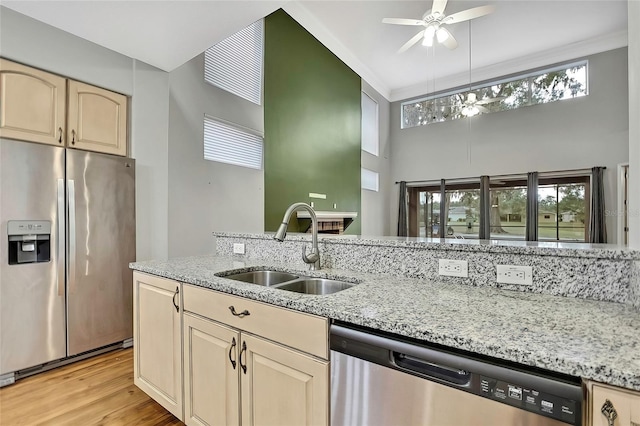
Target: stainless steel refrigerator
point(68, 234)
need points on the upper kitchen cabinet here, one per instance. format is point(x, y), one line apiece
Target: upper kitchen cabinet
point(35, 103)
point(97, 119)
point(32, 104)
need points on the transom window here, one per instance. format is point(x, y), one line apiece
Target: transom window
point(550, 85)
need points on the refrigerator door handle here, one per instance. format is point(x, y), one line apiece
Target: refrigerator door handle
point(71, 273)
point(61, 236)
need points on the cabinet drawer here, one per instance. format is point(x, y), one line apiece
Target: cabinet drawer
point(308, 333)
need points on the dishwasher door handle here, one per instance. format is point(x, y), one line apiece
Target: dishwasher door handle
point(421, 367)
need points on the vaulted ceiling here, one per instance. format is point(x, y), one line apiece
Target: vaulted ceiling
point(519, 35)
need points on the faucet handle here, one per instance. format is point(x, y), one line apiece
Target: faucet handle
point(313, 257)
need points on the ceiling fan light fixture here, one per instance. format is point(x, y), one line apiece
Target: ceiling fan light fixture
point(429, 32)
point(470, 111)
point(442, 35)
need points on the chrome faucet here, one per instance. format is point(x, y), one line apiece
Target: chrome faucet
point(313, 259)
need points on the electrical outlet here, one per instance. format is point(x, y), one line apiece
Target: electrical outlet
point(453, 268)
point(238, 248)
point(513, 274)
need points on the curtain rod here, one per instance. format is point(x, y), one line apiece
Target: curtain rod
point(437, 181)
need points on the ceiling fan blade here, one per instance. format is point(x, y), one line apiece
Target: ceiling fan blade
point(438, 7)
point(411, 42)
point(402, 21)
point(482, 109)
point(465, 15)
point(450, 41)
point(488, 101)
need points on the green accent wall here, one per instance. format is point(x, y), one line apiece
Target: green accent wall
point(311, 124)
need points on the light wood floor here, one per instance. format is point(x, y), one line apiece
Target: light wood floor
point(96, 391)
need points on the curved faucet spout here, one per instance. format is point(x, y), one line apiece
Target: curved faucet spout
point(313, 259)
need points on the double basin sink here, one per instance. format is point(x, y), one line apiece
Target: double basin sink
point(290, 282)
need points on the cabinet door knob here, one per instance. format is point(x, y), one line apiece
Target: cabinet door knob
point(244, 313)
point(233, 345)
point(609, 412)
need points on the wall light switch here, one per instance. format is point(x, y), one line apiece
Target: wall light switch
point(238, 248)
point(453, 268)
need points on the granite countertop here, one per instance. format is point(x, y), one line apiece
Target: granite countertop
point(580, 337)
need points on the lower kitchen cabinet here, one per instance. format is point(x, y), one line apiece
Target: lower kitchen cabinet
point(281, 386)
point(232, 376)
point(612, 406)
point(211, 382)
point(157, 340)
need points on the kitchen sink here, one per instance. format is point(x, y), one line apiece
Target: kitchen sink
point(265, 278)
point(319, 286)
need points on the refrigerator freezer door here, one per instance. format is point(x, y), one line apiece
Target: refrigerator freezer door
point(32, 295)
point(101, 234)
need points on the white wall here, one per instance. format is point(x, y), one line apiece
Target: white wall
point(374, 211)
point(570, 134)
point(33, 43)
point(634, 123)
point(206, 196)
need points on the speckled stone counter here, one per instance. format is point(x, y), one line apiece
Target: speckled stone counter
point(580, 337)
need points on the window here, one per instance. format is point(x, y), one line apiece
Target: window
point(369, 179)
point(508, 210)
point(235, 64)
point(370, 138)
point(553, 84)
point(563, 209)
point(228, 143)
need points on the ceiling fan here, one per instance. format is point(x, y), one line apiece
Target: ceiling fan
point(472, 106)
point(434, 22)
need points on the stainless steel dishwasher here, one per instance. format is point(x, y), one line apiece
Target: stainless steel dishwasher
point(377, 379)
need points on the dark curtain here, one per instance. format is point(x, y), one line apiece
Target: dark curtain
point(485, 208)
point(403, 224)
point(531, 233)
point(443, 207)
point(597, 227)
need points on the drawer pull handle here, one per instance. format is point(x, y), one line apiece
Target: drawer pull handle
point(244, 313)
point(609, 412)
point(59, 134)
point(233, 345)
point(174, 299)
point(73, 137)
point(243, 350)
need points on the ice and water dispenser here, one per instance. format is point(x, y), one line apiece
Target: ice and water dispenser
point(29, 241)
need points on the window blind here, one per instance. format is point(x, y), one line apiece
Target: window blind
point(230, 144)
point(369, 179)
point(235, 63)
point(369, 125)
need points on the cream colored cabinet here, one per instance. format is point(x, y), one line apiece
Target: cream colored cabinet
point(609, 405)
point(211, 367)
point(97, 119)
point(37, 106)
point(279, 358)
point(157, 340)
point(281, 386)
point(32, 104)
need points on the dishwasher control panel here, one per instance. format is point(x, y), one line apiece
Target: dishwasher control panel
point(529, 399)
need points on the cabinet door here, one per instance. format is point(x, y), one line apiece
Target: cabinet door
point(281, 386)
point(157, 343)
point(97, 119)
point(210, 373)
point(32, 104)
point(626, 404)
